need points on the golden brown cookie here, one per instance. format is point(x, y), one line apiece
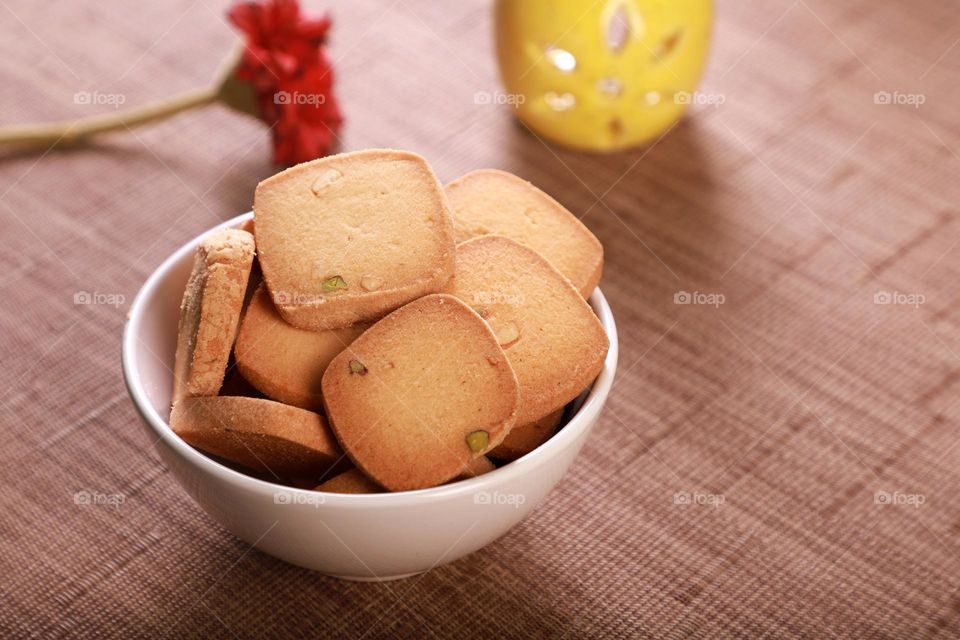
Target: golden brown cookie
point(210, 312)
point(352, 481)
point(266, 436)
point(489, 201)
point(524, 438)
point(282, 361)
point(552, 338)
point(478, 467)
point(351, 237)
point(420, 394)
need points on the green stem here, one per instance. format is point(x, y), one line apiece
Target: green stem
point(76, 131)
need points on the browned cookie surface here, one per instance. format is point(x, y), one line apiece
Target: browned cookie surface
point(282, 361)
point(477, 467)
point(351, 237)
point(551, 336)
point(269, 437)
point(488, 201)
point(351, 481)
point(210, 312)
point(526, 437)
point(421, 393)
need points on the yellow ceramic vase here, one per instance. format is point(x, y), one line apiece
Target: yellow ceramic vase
point(601, 76)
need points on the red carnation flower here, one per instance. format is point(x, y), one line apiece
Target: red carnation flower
point(282, 76)
point(286, 65)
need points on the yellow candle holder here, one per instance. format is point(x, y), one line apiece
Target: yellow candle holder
point(601, 76)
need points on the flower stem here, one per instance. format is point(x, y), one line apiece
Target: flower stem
point(77, 131)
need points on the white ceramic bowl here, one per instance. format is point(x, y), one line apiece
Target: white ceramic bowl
point(356, 537)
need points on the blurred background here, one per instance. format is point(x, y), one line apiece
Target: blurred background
point(811, 189)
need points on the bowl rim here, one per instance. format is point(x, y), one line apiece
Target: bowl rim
point(581, 420)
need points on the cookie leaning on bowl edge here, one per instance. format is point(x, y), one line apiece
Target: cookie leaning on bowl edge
point(210, 312)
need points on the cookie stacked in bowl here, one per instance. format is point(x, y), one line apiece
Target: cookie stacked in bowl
point(372, 331)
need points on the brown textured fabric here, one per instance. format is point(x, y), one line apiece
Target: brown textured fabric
point(730, 488)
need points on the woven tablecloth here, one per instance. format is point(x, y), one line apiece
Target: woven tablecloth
point(783, 463)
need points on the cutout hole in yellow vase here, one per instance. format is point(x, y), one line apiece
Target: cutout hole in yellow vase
point(602, 77)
